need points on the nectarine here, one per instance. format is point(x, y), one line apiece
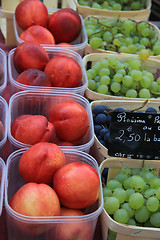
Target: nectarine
point(31, 12)
point(64, 72)
point(39, 163)
point(77, 185)
point(65, 25)
point(70, 120)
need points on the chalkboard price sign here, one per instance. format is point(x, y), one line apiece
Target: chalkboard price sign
point(135, 135)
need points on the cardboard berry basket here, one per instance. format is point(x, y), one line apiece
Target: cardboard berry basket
point(29, 102)
point(13, 74)
point(151, 65)
point(7, 13)
point(137, 15)
point(37, 228)
point(124, 231)
point(78, 45)
point(2, 178)
point(100, 152)
point(89, 49)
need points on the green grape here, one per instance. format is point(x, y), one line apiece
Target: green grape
point(144, 54)
point(107, 192)
point(154, 87)
point(105, 80)
point(132, 222)
point(136, 75)
point(128, 25)
point(136, 200)
point(92, 73)
point(135, 64)
point(131, 93)
point(152, 204)
point(129, 192)
point(147, 169)
point(115, 87)
point(145, 82)
point(113, 184)
point(137, 183)
point(148, 74)
point(102, 88)
point(155, 219)
point(126, 170)
point(155, 182)
point(111, 205)
point(144, 93)
point(97, 67)
point(121, 71)
point(158, 80)
point(130, 210)
point(104, 71)
point(149, 192)
point(124, 89)
point(146, 32)
point(142, 214)
point(142, 25)
point(104, 63)
point(135, 5)
point(116, 42)
point(108, 36)
point(148, 176)
point(119, 193)
point(118, 77)
point(112, 61)
point(123, 49)
point(156, 49)
point(128, 41)
point(91, 84)
point(97, 78)
point(96, 5)
point(105, 4)
point(132, 48)
point(121, 177)
point(95, 42)
point(157, 193)
point(119, 66)
point(127, 81)
point(135, 171)
point(117, 7)
point(144, 41)
point(121, 216)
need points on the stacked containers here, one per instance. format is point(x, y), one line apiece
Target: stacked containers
point(2, 179)
point(4, 122)
point(3, 71)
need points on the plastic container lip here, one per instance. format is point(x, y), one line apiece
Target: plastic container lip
point(56, 219)
point(3, 172)
point(75, 46)
point(5, 106)
point(4, 84)
point(77, 96)
point(61, 51)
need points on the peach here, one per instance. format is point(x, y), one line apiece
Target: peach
point(70, 120)
point(2, 130)
point(30, 55)
point(35, 200)
point(38, 34)
point(65, 25)
point(64, 72)
point(34, 77)
point(33, 129)
point(77, 185)
point(16, 123)
point(31, 12)
point(39, 163)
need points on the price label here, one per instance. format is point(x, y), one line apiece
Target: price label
point(135, 135)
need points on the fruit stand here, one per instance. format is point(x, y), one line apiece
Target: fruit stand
point(80, 140)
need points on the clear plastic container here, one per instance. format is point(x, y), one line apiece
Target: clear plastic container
point(29, 102)
point(77, 45)
point(3, 71)
point(3, 121)
point(26, 227)
point(13, 74)
point(2, 178)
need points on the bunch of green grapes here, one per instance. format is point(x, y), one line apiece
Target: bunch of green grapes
point(133, 197)
point(123, 36)
point(115, 5)
point(128, 78)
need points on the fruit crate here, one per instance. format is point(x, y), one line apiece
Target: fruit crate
point(124, 231)
point(52, 52)
point(78, 45)
point(38, 228)
point(7, 13)
point(40, 102)
point(2, 177)
point(89, 49)
point(142, 15)
point(151, 65)
point(100, 152)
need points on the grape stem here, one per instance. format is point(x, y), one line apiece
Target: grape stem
point(144, 103)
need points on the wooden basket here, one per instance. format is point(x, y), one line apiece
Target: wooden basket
point(89, 49)
point(136, 15)
point(124, 231)
point(7, 12)
point(100, 152)
point(151, 66)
